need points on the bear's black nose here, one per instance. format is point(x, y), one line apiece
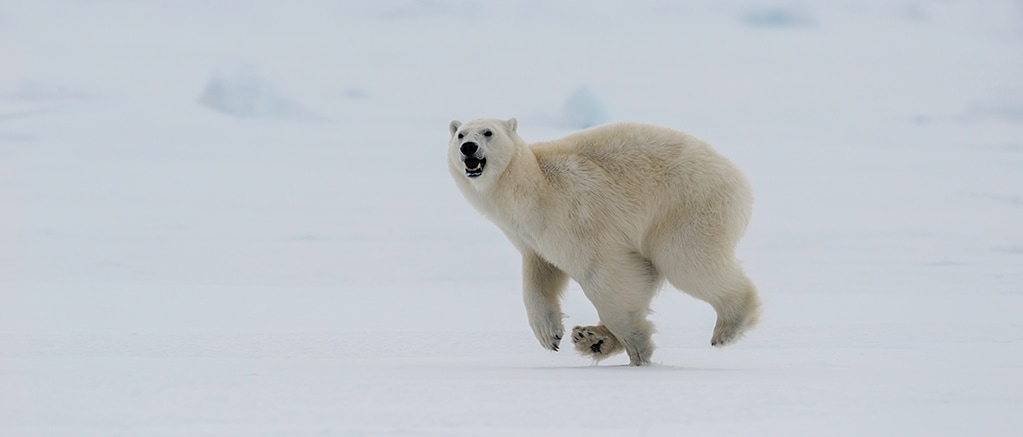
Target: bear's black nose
point(469, 149)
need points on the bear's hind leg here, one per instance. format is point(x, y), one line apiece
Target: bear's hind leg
point(721, 282)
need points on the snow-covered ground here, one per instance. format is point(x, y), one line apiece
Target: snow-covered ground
point(232, 217)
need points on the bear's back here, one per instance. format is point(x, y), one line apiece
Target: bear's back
point(629, 150)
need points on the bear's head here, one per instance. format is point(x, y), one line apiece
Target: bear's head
point(482, 147)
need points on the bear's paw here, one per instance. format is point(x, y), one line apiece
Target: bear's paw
point(596, 342)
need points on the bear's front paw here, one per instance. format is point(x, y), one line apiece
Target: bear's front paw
point(549, 332)
point(596, 342)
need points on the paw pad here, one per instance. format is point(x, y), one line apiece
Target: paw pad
point(596, 342)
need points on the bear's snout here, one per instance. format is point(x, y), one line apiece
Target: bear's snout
point(469, 148)
point(472, 158)
point(473, 164)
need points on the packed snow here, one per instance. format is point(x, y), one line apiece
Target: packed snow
point(233, 217)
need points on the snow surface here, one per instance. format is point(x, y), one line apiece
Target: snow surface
point(292, 258)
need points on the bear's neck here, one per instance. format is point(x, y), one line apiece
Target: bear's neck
point(515, 197)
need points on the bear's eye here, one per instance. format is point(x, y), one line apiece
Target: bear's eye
point(487, 133)
point(461, 135)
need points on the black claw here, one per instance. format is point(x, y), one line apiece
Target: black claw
point(555, 347)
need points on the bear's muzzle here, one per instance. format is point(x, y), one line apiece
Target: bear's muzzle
point(474, 166)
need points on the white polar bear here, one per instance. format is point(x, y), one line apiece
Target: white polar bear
point(618, 208)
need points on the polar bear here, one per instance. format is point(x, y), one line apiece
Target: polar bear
point(618, 208)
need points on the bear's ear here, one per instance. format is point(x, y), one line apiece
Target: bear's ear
point(512, 124)
point(453, 127)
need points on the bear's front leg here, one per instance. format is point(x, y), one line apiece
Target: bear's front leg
point(542, 287)
point(620, 288)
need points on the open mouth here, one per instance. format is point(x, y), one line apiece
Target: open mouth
point(474, 166)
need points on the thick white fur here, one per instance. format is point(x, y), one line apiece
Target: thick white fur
point(618, 208)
